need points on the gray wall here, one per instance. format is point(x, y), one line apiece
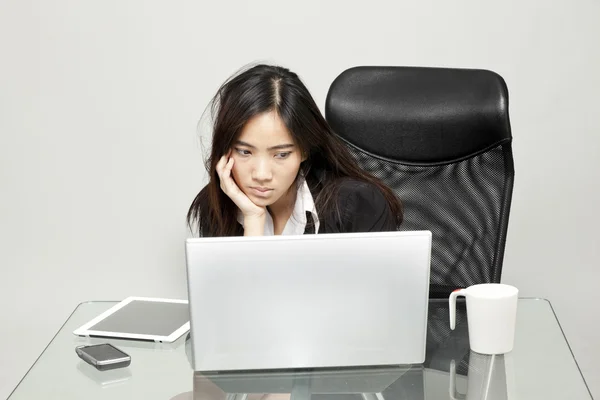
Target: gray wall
point(100, 157)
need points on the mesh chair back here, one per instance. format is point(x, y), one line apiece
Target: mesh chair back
point(441, 139)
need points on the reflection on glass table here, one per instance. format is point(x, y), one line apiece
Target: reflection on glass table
point(358, 383)
point(541, 366)
point(486, 379)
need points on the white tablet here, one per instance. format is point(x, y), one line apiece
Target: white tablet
point(144, 318)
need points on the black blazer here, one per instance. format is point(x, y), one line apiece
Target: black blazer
point(362, 208)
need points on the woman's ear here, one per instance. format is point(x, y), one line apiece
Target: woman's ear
point(304, 156)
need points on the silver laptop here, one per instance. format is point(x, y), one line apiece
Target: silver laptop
point(308, 301)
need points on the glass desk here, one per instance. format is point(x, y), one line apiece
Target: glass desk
point(541, 366)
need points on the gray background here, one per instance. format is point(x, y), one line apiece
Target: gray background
point(100, 157)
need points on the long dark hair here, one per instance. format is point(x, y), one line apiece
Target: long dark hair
point(261, 89)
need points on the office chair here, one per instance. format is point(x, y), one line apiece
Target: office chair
point(441, 140)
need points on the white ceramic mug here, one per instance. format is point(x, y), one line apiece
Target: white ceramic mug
point(491, 316)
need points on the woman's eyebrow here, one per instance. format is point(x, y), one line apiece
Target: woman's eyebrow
point(281, 146)
point(278, 147)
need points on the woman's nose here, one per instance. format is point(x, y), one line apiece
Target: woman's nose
point(262, 171)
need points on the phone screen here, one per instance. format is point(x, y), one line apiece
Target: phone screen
point(104, 352)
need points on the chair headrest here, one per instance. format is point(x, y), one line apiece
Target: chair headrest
point(419, 115)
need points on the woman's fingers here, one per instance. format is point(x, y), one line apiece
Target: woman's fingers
point(219, 166)
point(231, 189)
point(224, 167)
point(229, 167)
point(226, 176)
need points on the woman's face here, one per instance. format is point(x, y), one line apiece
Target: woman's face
point(266, 159)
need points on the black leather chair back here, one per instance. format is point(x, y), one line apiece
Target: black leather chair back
point(441, 139)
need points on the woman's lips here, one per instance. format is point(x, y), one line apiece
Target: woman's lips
point(261, 191)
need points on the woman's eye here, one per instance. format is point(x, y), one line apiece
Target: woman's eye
point(243, 152)
point(282, 155)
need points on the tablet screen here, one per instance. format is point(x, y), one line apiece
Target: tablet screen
point(143, 317)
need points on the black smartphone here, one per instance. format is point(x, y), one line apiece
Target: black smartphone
point(103, 356)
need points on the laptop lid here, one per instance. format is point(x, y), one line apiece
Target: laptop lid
point(308, 301)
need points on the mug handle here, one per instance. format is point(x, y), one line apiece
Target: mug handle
point(452, 300)
point(454, 395)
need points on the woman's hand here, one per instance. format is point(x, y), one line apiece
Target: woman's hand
point(231, 189)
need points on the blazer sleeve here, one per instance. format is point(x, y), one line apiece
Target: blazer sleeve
point(362, 208)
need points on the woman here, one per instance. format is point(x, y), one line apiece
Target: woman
point(276, 167)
